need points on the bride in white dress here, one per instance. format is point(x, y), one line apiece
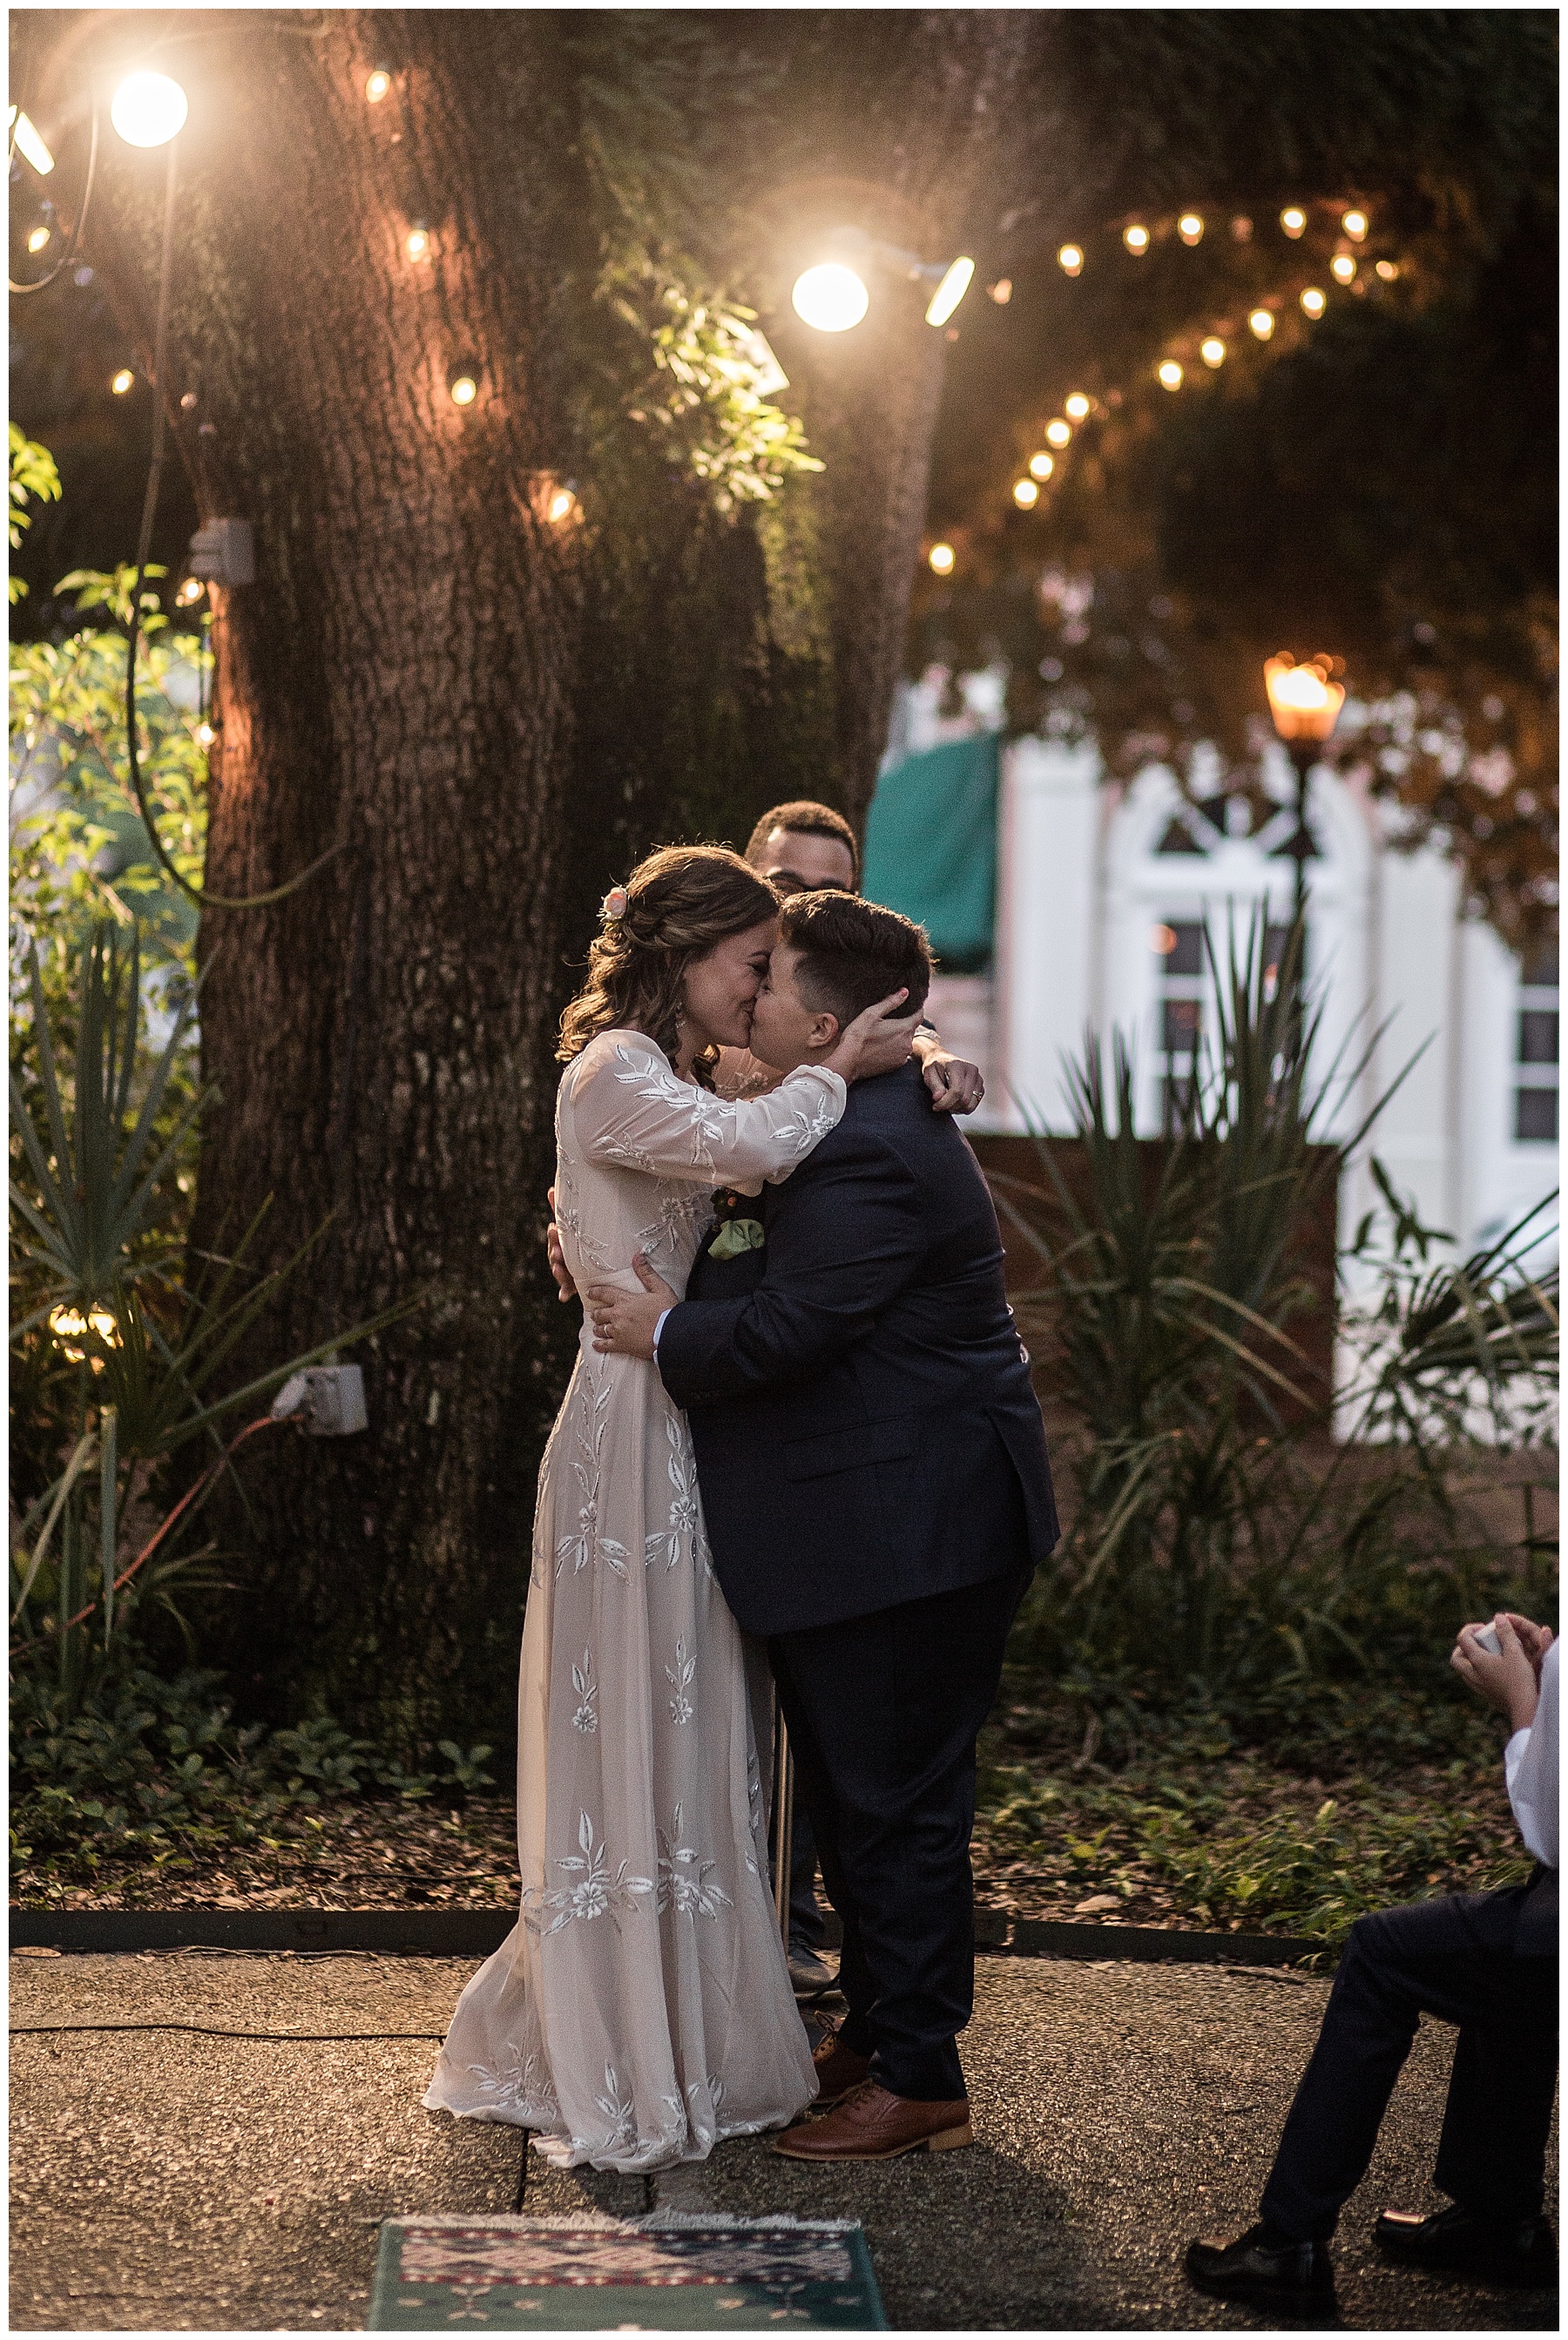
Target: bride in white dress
point(640, 2009)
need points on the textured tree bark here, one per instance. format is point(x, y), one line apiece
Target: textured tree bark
point(398, 680)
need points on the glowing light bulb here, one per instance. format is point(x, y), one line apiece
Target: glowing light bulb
point(121, 381)
point(1136, 239)
point(1002, 291)
point(1076, 406)
point(1343, 265)
point(1189, 227)
point(1042, 465)
point(561, 506)
point(1070, 260)
point(1059, 432)
point(941, 557)
point(950, 292)
point(205, 735)
point(38, 239)
point(1314, 301)
point(464, 389)
point(377, 85)
point(191, 590)
point(30, 145)
point(1294, 222)
point(417, 243)
point(1025, 494)
point(1212, 352)
point(1354, 226)
point(1169, 374)
point(1262, 323)
point(1387, 270)
point(148, 109)
point(830, 298)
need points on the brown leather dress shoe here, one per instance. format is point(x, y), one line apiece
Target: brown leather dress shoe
point(838, 2070)
point(871, 2124)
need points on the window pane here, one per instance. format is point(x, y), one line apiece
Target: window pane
point(1179, 1026)
point(1540, 968)
point(1537, 1037)
point(1184, 956)
point(1536, 1117)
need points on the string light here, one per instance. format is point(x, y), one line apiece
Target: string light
point(29, 145)
point(940, 558)
point(38, 239)
point(1212, 352)
point(1294, 222)
point(205, 735)
point(1314, 301)
point(830, 298)
point(1059, 432)
point(148, 109)
point(1354, 226)
point(1002, 291)
point(1262, 323)
point(377, 85)
point(1136, 239)
point(1042, 465)
point(561, 506)
point(417, 243)
point(1076, 406)
point(1070, 260)
point(1387, 270)
point(1169, 374)
point(1189, 227)
point(1343, 265)
point(463, 386)
point(121, 381)
point(1025, 494)
point(191, 590)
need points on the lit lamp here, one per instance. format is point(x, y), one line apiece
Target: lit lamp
point(832, 297)
point(148, 109)
point(1304, 702)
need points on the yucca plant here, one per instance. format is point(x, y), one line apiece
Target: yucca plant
point(1170, 1288)
point(103, 1281)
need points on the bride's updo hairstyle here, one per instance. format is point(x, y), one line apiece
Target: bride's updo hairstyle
point(671, 911)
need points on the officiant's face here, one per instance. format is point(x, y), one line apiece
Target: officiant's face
point(721, 986)
point(785, 1031)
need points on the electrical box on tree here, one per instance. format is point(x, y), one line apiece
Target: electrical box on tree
point(224, 552)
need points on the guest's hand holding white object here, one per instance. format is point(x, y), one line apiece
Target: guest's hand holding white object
point(1508, 1678)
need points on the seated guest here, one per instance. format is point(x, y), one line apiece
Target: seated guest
point(1484, 1962)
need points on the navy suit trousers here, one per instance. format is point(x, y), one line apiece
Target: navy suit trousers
point(1454, 1958)
point(883, 1714)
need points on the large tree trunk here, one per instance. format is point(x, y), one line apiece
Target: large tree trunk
point(494, 717)
point(399, 681)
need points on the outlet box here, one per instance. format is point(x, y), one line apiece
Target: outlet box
point(326, 1401)
point(223, 551)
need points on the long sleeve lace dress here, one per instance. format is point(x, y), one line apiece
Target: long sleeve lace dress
point(640, 2008)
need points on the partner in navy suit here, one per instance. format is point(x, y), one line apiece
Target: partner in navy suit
point(876, 1495)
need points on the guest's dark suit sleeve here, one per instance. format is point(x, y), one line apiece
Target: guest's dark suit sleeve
point(840, 1248)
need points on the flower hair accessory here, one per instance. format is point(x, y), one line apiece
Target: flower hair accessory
point(613, 905)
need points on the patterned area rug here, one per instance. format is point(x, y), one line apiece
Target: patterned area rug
point(666, 2274)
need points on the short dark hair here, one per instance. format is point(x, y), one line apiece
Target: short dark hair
point(854, 953)
point(807, 819)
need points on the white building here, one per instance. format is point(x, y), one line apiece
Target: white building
point(1103, 890)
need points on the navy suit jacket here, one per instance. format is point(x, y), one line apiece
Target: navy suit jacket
point(865, 1426)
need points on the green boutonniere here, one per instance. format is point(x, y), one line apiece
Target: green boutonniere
point(735, 1234)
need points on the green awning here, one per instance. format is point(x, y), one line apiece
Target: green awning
point(931, 846)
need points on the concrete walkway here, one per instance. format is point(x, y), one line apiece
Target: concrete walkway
point(166, 2182)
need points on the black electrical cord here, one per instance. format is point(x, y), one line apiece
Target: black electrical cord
point(197, 894)
point(75, 246)
point(207, 2031)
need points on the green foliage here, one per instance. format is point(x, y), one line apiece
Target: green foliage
point(155, 1771)
point(80, 850)
point(1221, 1546)
point(714, 421)
point(33, 475)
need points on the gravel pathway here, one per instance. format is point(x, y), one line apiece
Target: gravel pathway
point(162, 2181)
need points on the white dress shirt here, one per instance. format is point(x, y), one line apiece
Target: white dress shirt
point(1529, 1768)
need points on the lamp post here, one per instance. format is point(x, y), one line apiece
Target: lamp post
point(1304, 702)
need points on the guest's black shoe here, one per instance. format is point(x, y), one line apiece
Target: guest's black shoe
point(1263, 2266)
point(1456, 2242)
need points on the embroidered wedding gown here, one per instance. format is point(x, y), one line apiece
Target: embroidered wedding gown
point(640, 2009)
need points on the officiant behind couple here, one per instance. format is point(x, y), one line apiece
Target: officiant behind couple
point(818, 1450)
